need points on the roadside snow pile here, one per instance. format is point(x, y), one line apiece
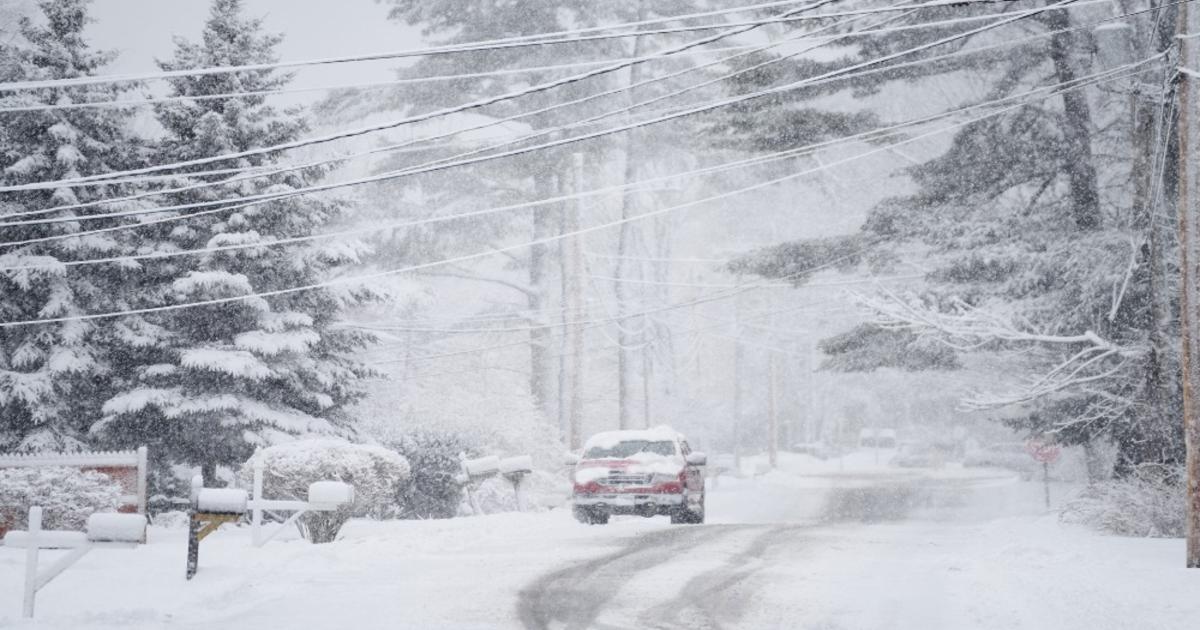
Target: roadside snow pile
point(376, 473)
point(67, 495)
point(1150, 503)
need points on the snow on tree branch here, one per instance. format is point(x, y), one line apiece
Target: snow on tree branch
point(965, 327)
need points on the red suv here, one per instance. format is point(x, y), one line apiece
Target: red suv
point(649, 472)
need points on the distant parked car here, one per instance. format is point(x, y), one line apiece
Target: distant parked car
point(648, 472)
point(819, 450)
point(877, 438)
point(1007, 455)
point(918, 455)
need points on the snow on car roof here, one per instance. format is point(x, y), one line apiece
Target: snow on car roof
point(608, 439)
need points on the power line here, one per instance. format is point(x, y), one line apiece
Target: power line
point(443, 161)
point(612, 345)
point(255, 200)
point(566, 37)
point(711, 261)
point(480, 255)
point(872, 134)
point(390, 148)
point(263, 172)
point(95, 179)
point(712, 297)
point(143, 102)
point(542, 87)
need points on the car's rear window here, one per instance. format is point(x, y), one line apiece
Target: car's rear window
point(629, 448)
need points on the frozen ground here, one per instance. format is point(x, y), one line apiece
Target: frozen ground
point(815, 545)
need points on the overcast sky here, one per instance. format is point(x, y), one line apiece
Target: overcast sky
point(142, 30)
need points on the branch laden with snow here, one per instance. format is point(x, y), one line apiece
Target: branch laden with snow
point(964, 327)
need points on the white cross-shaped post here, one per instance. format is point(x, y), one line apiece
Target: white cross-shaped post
point(103, 529)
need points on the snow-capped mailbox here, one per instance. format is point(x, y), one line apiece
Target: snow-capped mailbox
point(114, 527)
point(515, 465)
point(221, 501)
point(330, 493)
point(483, 466)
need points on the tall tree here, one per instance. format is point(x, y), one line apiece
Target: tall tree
point(210, 383)
point(53, 377)
point(1031, 256)
point(530, 275)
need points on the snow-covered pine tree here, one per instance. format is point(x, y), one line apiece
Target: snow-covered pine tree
point(208, 384)
point(54, 377)
point(1045, 215)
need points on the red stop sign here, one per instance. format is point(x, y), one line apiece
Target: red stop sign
point(1042, 451)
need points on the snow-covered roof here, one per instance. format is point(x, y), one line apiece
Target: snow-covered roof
point(607, 439)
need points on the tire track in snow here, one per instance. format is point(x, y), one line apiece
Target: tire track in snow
point(716, 598)
point(573, 597)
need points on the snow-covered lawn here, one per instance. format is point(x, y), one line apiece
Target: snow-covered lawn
point(460, 573)
point(993, 559)
point(1019, 573)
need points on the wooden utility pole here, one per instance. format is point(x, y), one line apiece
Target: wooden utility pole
point(647, 365)
point(772, 410)
point(578, 310)
point(1188, 28)
point(738, 360)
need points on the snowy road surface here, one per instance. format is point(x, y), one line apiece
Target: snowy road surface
point(826, 551)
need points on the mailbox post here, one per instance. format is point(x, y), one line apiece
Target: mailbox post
point(103, 530)
point(212, 507)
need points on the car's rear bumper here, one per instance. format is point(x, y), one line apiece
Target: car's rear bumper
point(628, 503)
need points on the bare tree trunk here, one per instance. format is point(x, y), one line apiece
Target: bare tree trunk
point(739, 360)
point(565, 226)
point(624, 247)
point(773, 438)
point(539, 337)
point(577, 271)
point(1160, 381)
point(1077, 131)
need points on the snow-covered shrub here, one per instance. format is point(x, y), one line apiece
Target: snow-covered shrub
point(541, 490)
point(432, 490)
point(492, 495)
point(375, 472)
point(1150, 503)
point(67, 496)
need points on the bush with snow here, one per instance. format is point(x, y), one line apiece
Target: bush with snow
point(540, 490)
point(67, 496)
point(1150, 503)
point(375, 472)
point(432, 490)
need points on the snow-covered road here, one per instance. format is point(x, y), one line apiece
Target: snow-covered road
point(823, 550)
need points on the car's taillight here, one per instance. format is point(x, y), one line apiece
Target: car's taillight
point(667, 482)
point(587, 488)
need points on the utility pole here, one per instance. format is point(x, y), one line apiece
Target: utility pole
point(813, 428)
point(575, 293)
point(772, 410)
point(1188, 27)
point(647, 363)
point(738, 360)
